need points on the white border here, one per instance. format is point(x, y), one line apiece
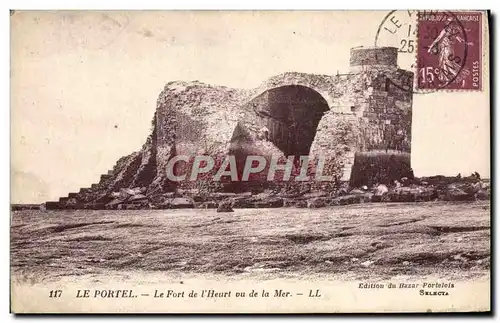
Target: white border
point(187, 4)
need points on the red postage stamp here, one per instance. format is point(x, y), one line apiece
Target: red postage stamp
point(449, 50)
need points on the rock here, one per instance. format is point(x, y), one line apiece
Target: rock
point(295, 203)
point(406, 263)
point(356, 191)
point(290, 195)
point(168, 194)
point(341, 200)
point(242, 203)
point(483, 194)
point(301, 204)
point(472, 188)
point(380, 190)
point(225, 206)
point(138, 197)
point(427, 194)
point(264, 195)
point(405, 196)
point(354, 259)
point(125, 193)
point(181, 203)
point(188, 192)
point(222, 196)
point(342, 192)
point(132, 191)
point(70, 203)
point(367, 263)
point(411, 194)
point(162, 198)
point(121, 207)
point(96, 206)
point(314, 194)
point(316, 203)
point(199, 198)
point(334, 202)
point(352, 199)
point(269, 202)
point(176, 203)
point(455, 193)
point(262, 200)
point(365, 198)
point(113, 205)
point(289, 202)
point(138, 190)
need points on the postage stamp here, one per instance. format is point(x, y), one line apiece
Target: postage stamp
point(160, 164)
point(449, 51)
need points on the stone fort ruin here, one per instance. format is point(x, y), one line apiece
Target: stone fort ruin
point(360, 120)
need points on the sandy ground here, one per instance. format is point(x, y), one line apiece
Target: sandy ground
point(322, 248)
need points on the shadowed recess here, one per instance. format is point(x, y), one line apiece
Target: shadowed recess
point(291, 115)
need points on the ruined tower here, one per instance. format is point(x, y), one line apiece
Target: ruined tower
point(375, 98)
point(360, 121)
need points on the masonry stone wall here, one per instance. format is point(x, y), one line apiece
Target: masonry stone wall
point(366, 111)
point(384, 57)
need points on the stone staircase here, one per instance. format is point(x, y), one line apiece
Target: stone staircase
point(66, 201)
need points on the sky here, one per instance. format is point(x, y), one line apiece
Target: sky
point(84, 85)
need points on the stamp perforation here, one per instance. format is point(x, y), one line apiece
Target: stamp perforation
point(449, 86)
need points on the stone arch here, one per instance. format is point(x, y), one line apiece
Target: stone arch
point(289, 116)
point(320, 83)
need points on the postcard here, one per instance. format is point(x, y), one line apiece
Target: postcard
point(250, 161)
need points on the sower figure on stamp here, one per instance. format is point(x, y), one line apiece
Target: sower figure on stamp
point(450, 65)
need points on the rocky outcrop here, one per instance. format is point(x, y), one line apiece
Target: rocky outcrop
point(444, 189)
point(353, 120)
point(225, 206)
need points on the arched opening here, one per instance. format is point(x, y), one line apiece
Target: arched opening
point(290, 115)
